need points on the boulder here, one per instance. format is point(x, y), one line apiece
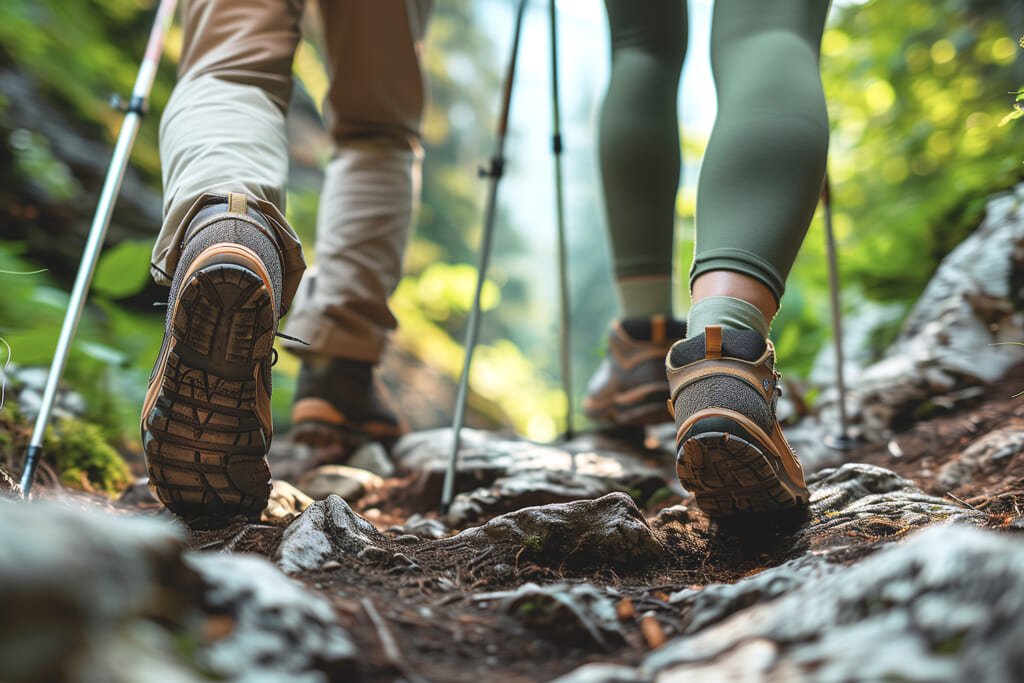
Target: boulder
point(944, 605)
point(91, 596)
point(498, 474)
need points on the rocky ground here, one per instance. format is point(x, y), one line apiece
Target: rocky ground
point(577, 562)
point(580, 561)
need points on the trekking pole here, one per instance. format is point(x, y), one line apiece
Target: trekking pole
point(493, 171)
point(563, 278)
point(134, 108)
point(842, 441)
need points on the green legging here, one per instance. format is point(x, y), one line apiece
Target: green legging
point(765, 161)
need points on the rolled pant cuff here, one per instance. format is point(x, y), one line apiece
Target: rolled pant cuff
point(326, 337)
point(739, 261)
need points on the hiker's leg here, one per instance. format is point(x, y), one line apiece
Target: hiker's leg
point(373, 110)
point(639, 149)
point(223, 128)
point(639, 152)
point(765, 162)
point(206, 421)
point(757, 191)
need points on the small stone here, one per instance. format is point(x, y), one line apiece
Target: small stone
point(566, 609)
point(373, 457)
point(350, 483)
point(285, 502)
point(625, 610)
point(327, 530)
point(374, 555)
point(654, 634)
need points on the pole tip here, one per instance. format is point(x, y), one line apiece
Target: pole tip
point(841, 442)
point(31, 460)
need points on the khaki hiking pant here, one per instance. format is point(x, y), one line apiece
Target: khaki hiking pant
point(224, 131)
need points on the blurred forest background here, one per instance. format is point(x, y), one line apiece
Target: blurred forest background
point(921, 96)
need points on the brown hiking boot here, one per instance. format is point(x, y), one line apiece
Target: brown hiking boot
point(206, 423)
point(338, 407)
point(731, 452)
point(629, 388)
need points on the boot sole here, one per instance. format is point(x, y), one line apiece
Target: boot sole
point(204, 442)
point(730, 477)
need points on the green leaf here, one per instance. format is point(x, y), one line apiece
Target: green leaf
point(123, 270)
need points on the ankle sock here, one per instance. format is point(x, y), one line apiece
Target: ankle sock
point(727, 311)
point(644, 297)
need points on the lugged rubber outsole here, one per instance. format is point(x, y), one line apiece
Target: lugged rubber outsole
point(204, 443)
point(731, 478)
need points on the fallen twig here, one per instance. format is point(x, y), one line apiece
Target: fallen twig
point(388, 642)
point(961, 501)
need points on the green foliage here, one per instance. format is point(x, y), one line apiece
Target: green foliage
point(1018, 105)
point(113, 351)
point(79, 53)
point(84, 459)
point(123, 270)
point(533, 545)
point(34, 159)
point(916, 91)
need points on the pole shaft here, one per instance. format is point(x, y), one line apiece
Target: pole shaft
point(563, 277)
point(98, 231)
point(473, 324)
point(837, 323)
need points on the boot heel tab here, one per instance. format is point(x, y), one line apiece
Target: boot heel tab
point(237, 203)
point(713, 341)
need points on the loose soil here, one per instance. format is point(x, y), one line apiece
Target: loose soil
point(424, 624)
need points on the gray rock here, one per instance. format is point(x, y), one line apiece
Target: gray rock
point(97, 597)
point(715, 602)
point(944, 606)
point(328, 531)
point(609, 530)
point(281, 631)
point(139, 493)
point(526, 489)
point(373, 457)
point(566, 609)
point(856, 505)
point(422, 527)
point(958, 335)
point(350, 483)
point(604, 673)
point(489, 466)
point(987, 455)
point(79, 581)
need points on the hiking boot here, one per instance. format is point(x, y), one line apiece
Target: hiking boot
point(206, 423)
point(731, 454)
point(338, 407)
point(629, 387)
